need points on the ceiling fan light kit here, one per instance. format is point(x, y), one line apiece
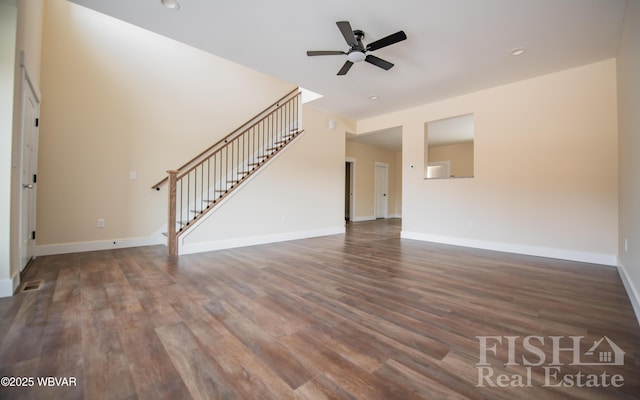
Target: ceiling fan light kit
point(356, 56)
point(171, 4)
point(357, 50)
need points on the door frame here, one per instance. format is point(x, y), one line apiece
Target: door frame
point(386, 190)
point(352, 188)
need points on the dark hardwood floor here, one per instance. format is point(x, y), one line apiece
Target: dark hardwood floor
point(364, 315)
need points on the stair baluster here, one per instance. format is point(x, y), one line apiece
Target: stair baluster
point(198, 186)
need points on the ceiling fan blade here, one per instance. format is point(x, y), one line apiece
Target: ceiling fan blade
point(347, 32)
point(345, 68)
point(387, 41)
point(378, 62)
point(325, 53)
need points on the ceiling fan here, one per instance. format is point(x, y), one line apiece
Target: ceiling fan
point(357, 50)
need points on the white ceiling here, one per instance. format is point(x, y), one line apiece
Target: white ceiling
point(452, 130)
point(387, 139)
point(453, 46)
point(446, 131)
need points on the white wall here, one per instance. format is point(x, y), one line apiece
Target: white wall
point(8, 26)
point(299, 194)
point(629, 123)
point(546, 179)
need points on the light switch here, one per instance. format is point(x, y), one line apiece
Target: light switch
point(132, 175)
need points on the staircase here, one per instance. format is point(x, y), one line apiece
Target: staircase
point(200, 185)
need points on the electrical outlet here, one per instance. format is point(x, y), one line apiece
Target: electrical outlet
point(100, 223)
point(133, 175)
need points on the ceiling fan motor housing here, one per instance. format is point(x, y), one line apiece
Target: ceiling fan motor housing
point(356, 54)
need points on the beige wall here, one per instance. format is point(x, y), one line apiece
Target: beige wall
point(29, 35)
point(299, 194)
point(460, 155)
point(546, 178)
point(118, 99)
point(364, 189)
point(629, 125)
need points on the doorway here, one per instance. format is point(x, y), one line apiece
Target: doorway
point(349, 178)
point(28, 175)
point(381, 189)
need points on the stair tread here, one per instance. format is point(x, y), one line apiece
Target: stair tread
point(208, 204)
point(284, 140)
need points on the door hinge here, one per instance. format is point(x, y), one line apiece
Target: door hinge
point(35, 178)
point(33, 235)
point(37, 121)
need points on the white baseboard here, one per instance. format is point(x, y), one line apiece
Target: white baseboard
point(373, 218)
point(366, 218)
point(632, 291)
point(190, 248)
point(80, 247)
point(549, 252)
point(6, 287)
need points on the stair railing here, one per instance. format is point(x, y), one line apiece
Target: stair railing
point(202, 183)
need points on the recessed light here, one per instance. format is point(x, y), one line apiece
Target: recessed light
point(519, 51)
point(171, 4)
point(373, 97)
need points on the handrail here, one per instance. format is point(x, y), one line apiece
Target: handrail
point(226, 138)
point(205, 181)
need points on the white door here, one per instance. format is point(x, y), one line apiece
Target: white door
point(381, 187)
point(29, 163)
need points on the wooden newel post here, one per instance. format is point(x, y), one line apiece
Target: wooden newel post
point(171, 225)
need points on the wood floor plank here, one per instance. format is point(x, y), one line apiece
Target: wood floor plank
point(106, 365)
point(150, 366)
point(244, 370)
point(416, 382)
point(365, 315)
point(321, 388)
point(200, 373)
point(26, 334)
point(355, 381)
point(285, 363)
